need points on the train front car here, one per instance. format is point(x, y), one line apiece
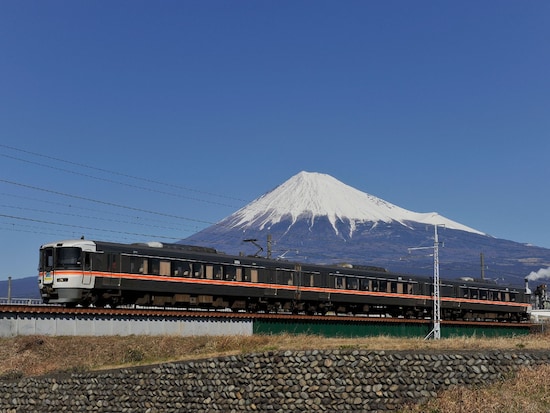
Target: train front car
point(64, 272)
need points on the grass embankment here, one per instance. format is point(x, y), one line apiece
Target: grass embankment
point(527, 392)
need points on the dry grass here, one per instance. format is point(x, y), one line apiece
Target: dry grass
point(527, 392)
point(37, 355)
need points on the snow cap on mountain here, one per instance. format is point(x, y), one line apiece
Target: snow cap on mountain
point(309, 195)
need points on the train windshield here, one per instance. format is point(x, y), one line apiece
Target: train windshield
point(68, 258)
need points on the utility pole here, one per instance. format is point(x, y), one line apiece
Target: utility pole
point(268, 245)
point(436, 331)
point(482, 258)
point(9, 290)
point(437, 298)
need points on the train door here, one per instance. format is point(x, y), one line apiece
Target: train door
point(86, 268)
point(46, 265)
point(114, 268)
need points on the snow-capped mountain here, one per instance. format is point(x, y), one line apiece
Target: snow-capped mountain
point(313, 217)
point(311, 195)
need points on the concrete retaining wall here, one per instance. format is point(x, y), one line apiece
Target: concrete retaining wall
point(332, 381)
point(12, 325)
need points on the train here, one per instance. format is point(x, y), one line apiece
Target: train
point(83, 272)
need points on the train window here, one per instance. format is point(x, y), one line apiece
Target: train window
point(136, 265)
point(399, 288)
point(185, 269)
point(218, 272)
point(512, 296)
point(113, 263)
point(364, 284)
point(46, 259)
point(380, 285)
point(483, 294)
point(181, 269)
point(125, 263)
point(352, 283)
point(284, 277)
point(251, 274)
point(230, 273)
point(340, 282)
point(198, 270)
point(254, 275)
point(164, 267)
point(100, 262)
point(87, 261)
point(464, 292)
point(144, 267)
point(69, 258)
point(474, 293)
point(446, 290)
point(269, 275)
point(154, 266)
point(409, 289)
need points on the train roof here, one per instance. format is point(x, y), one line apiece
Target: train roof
point(86, 245)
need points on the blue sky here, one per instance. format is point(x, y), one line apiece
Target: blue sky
point(137, 120)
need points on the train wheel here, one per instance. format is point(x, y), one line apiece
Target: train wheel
point(311, 310)
point(114, 302)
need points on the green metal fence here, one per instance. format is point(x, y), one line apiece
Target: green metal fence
point(394, 329)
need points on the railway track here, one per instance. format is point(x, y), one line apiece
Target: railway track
point(52, 311)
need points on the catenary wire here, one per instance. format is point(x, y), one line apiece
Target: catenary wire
point(26, 219)
point(143, 188)
point(82, 208)
point(110, 204)
point(107, 203)
point(68, 214)
point(119, 173)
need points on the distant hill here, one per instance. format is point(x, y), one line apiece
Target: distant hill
point(21, 288)
point(313, 217)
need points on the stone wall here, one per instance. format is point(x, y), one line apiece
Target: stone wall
point(290, 381)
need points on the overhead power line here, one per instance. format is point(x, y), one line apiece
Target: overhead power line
point(109, 205)
point(174, 194)
point(112, 204)
point(68, 214)
point(141, 179)
point(82, 208)
point(84, 227)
